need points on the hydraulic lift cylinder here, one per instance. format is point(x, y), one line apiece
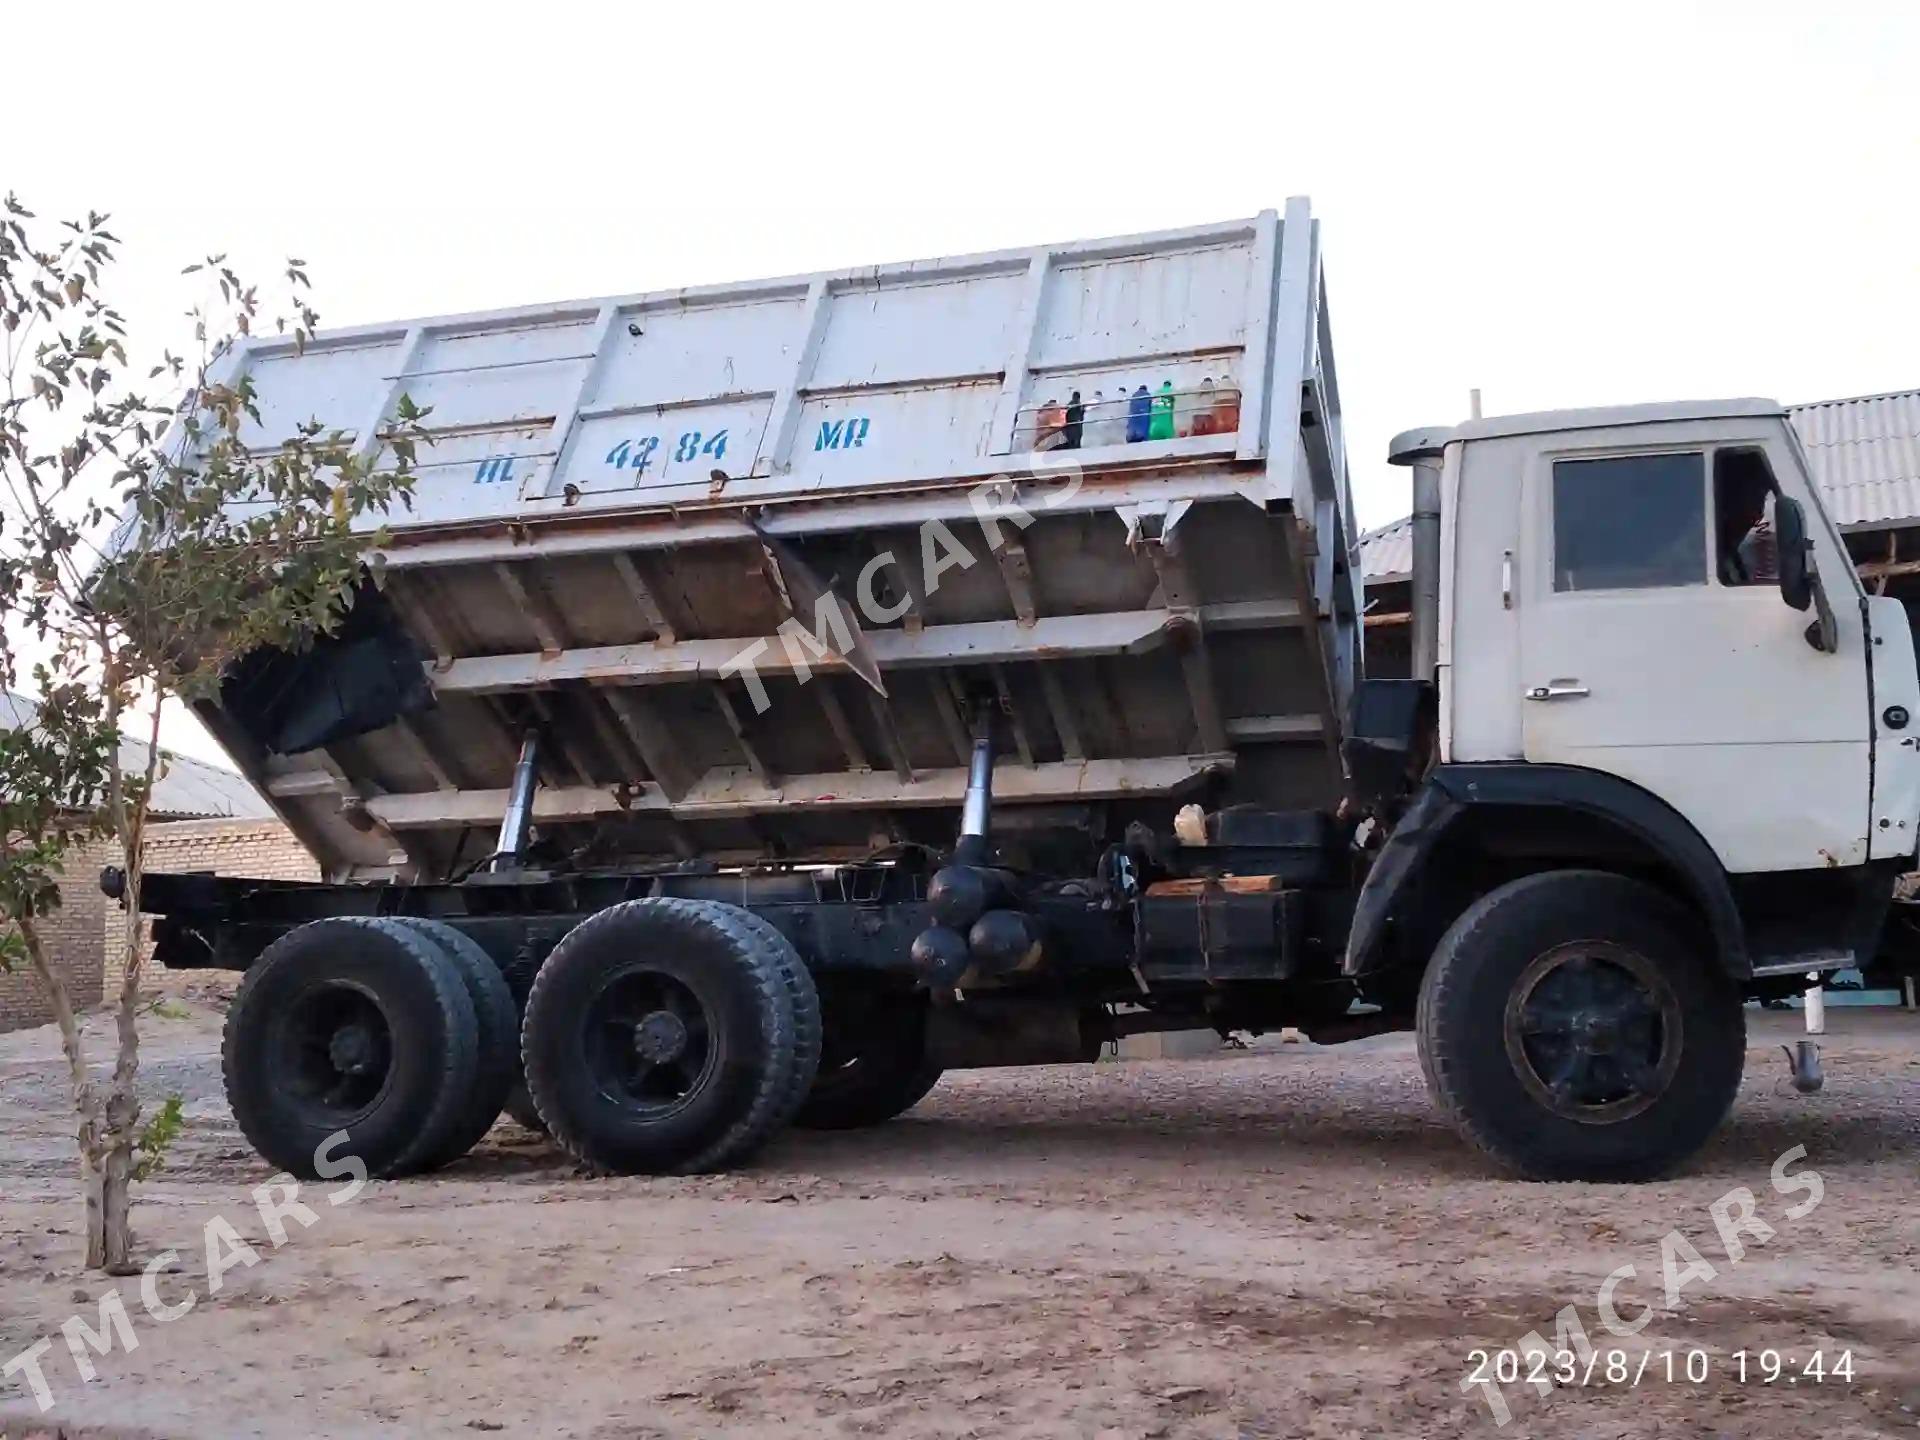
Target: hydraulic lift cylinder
point(518, 821)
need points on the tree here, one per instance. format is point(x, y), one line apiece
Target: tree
point(224, 543)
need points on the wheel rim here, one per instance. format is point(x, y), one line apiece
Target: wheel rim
point(648, 1042)
point(335, 1051)
point(1593, 1030)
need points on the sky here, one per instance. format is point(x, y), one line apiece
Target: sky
point(1557, 204)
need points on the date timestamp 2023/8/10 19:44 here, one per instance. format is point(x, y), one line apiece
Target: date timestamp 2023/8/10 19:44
point(1692, 1366)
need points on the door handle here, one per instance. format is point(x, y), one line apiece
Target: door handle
point(1559, 690)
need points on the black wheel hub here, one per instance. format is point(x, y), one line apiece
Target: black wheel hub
point(1593, 1030)
point(336, 1052)
point(352, 1049)
point(648, 1042)
point(661, 1038)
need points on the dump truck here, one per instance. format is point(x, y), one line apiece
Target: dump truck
point(781, 693)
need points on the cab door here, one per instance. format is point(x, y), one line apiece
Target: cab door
point(1655, 644)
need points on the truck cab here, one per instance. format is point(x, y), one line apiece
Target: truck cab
point(1611, 600)
point(1673, 770)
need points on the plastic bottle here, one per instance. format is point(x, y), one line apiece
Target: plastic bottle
point(1107, 420)
point(1161, 425)
point(1139, 416)
point(1226, 407)
point(1202, 414)
point(1076, 422)
point(1097, 423)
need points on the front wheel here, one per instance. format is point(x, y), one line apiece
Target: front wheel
point(1573, 1029)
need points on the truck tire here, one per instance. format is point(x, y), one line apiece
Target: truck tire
point(350, 1025)
point(661, 1037)
point(1572, 1027)
point(519, 1102)
point(519, 1105)
point(809, 1030)
point(874, 1066)
point(498, 1066)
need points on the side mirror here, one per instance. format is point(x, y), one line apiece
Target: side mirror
point(1799, 579)
point(1796, 552)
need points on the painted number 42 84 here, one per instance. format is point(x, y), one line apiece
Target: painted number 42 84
point(637, 455)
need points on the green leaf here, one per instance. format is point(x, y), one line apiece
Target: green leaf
point(157, 1137)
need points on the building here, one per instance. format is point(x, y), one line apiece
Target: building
point(1865, 457)
point(204, 817)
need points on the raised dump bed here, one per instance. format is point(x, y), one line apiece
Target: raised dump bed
point(626, 498)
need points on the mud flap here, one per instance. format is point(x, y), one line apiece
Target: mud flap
point(1401, 860)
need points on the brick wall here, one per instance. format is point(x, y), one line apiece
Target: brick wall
point(73, 937)
point(87, 928)
point(257, 849)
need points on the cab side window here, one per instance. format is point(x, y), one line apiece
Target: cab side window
point(1745, 552)
point(1630, 522)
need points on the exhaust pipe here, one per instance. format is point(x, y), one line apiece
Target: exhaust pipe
point(1422, 450)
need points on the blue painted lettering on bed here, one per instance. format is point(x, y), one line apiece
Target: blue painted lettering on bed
point(848, 434)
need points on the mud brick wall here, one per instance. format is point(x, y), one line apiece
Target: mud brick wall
point(256, 849)
point(87, 928)
point(73, 935)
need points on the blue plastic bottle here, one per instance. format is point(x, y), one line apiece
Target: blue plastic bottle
point(1139, 416)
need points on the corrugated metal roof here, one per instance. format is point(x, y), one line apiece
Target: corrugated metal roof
point(188, 790)
point(1386, 554)
point(1865, 454)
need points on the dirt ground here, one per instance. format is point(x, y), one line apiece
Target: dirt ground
point(1280, 1241)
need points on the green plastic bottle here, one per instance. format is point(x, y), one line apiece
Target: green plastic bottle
point(1161, 427)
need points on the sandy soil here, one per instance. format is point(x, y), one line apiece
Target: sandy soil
point(1282, 1241)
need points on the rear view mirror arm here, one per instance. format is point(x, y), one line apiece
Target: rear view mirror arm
point(1823, 634)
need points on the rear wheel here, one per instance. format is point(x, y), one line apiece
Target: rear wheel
point(873, 1065)
point(1573, 1028)
point(355, 1027)
point(520, 1107)
point(498, 1019)
point(808, 1026)
point(665, 1036)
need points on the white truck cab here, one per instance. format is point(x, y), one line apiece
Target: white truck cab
point(1671, 769)
point(1609, 599)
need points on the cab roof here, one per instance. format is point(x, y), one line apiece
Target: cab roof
point(1429, 439)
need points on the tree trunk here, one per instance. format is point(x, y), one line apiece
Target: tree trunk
point(93, 1132)
point(93, 1182)
point(122, 1109)
point(116, 1205)
point(116, 1176)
